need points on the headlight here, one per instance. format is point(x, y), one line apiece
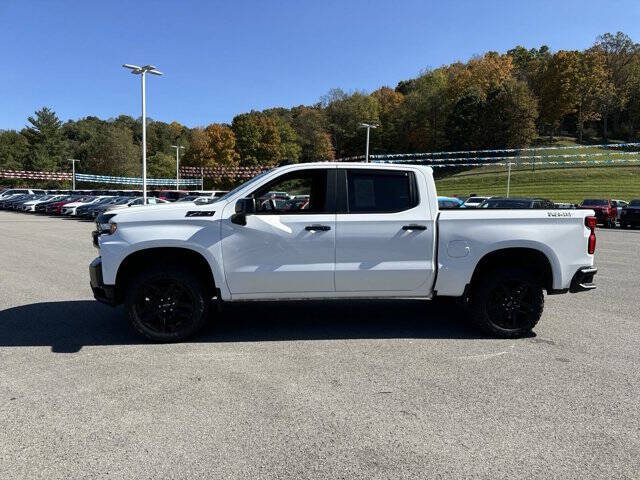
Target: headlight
point(104, 226)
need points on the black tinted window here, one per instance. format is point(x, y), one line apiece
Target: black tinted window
point(596, 202)
point(370, 191)
point(506, 204)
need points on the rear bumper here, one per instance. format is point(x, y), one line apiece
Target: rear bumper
point(583, 280)
point(101, 292)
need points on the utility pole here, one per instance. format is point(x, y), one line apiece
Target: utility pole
point(73, 170)
point(142, 71)
point(177, 147)
point(368, 126)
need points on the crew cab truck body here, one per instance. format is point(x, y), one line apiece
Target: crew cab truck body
point(368, 230)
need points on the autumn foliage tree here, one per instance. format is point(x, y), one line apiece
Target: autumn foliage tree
point(493, 100)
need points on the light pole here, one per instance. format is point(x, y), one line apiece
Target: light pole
point(142, 71)
point(73, 169)
point(368, 126)
point(177, 147)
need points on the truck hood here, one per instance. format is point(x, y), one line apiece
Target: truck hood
point(165, 211)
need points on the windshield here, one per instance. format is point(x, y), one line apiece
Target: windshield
point(476, 199)
point(634, 203)
point(241, 186)
point(595, 202)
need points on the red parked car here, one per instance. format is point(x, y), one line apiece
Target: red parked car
point(606, 211)
point(56, 208)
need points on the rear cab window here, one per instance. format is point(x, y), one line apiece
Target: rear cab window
point(380, 191)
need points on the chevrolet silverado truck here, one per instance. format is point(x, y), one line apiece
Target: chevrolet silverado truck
point(363, 230)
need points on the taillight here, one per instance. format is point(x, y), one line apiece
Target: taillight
point(590, 223)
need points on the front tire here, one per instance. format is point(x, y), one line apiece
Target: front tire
point(167, 304)
point(507, 302)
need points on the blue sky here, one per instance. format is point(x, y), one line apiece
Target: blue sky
point(221, 58)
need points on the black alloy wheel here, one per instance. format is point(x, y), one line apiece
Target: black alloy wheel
point(165, 305)
point(168, 303)
point(511, 304)
point(507, 302)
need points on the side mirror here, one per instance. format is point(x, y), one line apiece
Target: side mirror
point(244, 207)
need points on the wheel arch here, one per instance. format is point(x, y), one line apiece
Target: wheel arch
point(523, 257)
point(142, 258)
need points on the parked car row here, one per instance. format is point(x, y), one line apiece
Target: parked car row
point(91, 203)
point(609, 212)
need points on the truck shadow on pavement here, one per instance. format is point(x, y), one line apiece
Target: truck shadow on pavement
point(68, 326)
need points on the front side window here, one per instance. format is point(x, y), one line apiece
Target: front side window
point(380, 191)
point(299, 192)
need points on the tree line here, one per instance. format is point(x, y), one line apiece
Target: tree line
point(495, 100)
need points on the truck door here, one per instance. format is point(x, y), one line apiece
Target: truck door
point(288, 245)
point(384, 232)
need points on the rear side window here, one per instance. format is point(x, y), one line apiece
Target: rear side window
point(380, 191)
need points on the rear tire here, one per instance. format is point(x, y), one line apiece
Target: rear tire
point(167, 304)
point(507, 302)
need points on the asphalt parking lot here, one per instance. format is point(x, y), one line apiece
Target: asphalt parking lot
point(349, 389)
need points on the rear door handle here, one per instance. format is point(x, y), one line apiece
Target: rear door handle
point(414, 227)
point(319, 228)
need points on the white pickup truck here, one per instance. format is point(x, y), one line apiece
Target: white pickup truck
point(337, 230)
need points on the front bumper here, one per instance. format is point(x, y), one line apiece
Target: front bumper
point(583, 280)
point(101, 292)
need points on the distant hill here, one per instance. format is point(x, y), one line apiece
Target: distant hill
point(557, 183)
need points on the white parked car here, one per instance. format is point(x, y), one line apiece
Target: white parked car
point(200, 199)
point(368, 230)
point(474, 202)
point(136, 202)
point(209, 193)
point(619, 205)
point(70, 208)
point(14, 191)
point(30, 206)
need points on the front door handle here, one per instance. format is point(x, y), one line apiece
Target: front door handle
point(414, 227)
point(319, 228)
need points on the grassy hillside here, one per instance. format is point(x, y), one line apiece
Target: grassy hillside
point(561, 184)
